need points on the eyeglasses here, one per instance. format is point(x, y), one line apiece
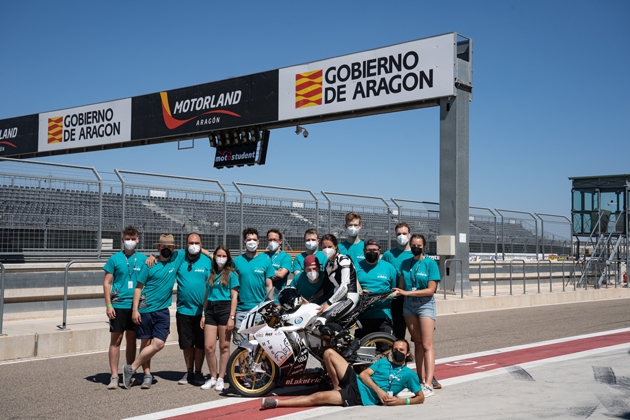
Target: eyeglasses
point(190, 265)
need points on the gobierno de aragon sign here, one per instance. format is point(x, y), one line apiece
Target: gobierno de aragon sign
point(401, 75)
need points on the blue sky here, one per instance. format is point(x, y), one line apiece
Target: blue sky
point(548, 88)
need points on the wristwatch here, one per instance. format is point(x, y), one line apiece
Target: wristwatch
point(232, 317)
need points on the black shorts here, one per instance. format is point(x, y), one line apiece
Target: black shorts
point(398, 319)
point(218, 313)
point(122, 322)
point(189, 331)
point(370, 325)
point(350, 394)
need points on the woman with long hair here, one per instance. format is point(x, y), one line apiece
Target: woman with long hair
point(217, 318)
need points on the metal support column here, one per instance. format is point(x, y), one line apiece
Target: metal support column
point(240, 241)
point(122, 195)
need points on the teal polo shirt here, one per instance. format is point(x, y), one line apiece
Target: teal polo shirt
point(278, 261)
point(220, 293)
point(419, 273)
point(380, 277)
point(125, 271)
point(354, 251)
point(252, 273)
point(158, 283)
point(306, 288)
point(402, 377)
point(191, 284)
point(298, 261)
point(395, 257)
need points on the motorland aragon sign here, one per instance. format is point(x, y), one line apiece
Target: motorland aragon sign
point(387, 79)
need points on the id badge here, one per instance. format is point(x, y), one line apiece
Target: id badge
point(413, 289)
point(130, 285)
point(390, 393)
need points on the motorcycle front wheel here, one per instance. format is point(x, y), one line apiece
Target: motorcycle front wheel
point(251, 375)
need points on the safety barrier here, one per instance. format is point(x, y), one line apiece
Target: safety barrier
point(65, 288)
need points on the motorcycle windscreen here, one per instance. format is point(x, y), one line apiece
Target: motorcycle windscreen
point(275, 344)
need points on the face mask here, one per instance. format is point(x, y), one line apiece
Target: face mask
point(416, 250)
point(130, 245)
point(328, 252)
point(251, 246)
point(194, 249)
point(353, 230)
point(371, 257)
point(166, 252)
point(402, 240)
point(273, 246)
point(312, 276)
point(398, 356)
point(311, 245)
point(221, 261)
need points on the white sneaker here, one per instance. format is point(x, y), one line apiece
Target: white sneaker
point(427, 391)
point(210, 383)
point(113, 384)
point(184, 380)
point(220, 385)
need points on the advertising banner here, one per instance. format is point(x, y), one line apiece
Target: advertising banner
point(85, 126)
point(408, 72)
point(235, 155)
point(231, 103)
point(18, 135)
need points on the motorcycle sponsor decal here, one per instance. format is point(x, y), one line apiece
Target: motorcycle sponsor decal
point(277, 346)
point(298, 320)
point(308, 379)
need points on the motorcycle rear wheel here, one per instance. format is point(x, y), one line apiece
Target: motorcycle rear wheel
point(373, 340)
point(244, 381)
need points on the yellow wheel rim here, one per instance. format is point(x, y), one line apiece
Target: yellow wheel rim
point(250, 382)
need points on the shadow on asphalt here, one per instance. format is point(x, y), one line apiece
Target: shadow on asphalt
point(100, 378)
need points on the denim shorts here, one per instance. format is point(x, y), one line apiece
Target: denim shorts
point(422, 307)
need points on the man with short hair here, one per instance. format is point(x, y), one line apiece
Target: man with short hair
point(310, 280)
point(376, 276)
point(311, 243)
point(395, 257)
point(280, 260)
point(121, 272)
point(376, 385)
point(254, 277)
point(151, 299)
point(353, 246)
point(192, 275)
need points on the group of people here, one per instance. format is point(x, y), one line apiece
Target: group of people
point(215, 292)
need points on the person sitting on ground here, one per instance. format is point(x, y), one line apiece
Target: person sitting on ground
point(375, 385)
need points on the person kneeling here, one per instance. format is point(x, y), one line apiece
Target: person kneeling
point(375, 385)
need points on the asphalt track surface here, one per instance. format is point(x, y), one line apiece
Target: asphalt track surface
point(75, 387)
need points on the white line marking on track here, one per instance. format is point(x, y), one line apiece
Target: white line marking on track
point(314, 412)
point(191, 409)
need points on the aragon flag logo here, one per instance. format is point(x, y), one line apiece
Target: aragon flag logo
point(308, 89)
point(55, 129)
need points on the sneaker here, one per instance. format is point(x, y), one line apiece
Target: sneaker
point(351, 349)
point(184, 380)
point(436, 384)
point(127, 376)
point(267, 403)
point(427, 391)
point(113, 384)
point(147, 381)
point(198, 379)
point(209, 383)
point(220, 385)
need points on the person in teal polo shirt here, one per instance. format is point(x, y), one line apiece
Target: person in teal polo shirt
point(417, 283)
point(353, 246)
point(378, 384)
point(280, 260)
point(254, 275)
point(152, 297)
point(395, 257)
point(310, 280)
point(376, 276)
point(121, 272)
point(311, 243)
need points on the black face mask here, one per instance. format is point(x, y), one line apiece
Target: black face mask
point(371, 257)
point(416, 250)
point(398, 356)
point(166, 252)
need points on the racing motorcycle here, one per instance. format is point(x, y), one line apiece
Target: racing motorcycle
point(286, 334)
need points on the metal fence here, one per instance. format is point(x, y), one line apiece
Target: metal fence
point(62, 211)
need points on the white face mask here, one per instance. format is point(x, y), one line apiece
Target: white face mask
point(130, 245)
point(194, 249)
point(273, 246)
point(328, 252)
point(221, 261)
point(353, 230)
point(251, 246)
point(311, 245)
point(312, 276)
point(402, 240)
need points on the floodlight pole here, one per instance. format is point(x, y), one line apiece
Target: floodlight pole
point(454, 169)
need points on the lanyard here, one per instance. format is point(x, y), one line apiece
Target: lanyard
point(415, 275)
point(273, 258)
point(391, 377)
point(134, 264)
